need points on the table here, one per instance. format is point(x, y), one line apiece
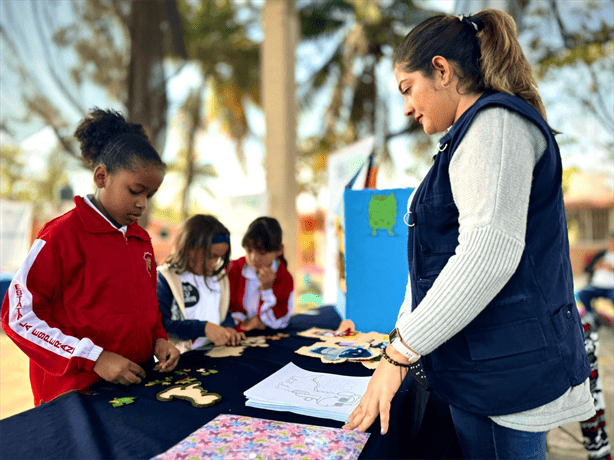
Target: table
point(77, 425)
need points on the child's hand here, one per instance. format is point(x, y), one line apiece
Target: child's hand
point(219, 335)
point(167, 354)
point(115, 368)
point(235, 336)
point(253, 323)
point(266, 275)
point(223, 336)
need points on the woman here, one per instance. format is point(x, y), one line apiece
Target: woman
point(489, 306)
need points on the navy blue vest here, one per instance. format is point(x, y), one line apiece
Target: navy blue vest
point(526, 347)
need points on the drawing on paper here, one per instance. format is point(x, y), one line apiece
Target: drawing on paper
point(313, 389)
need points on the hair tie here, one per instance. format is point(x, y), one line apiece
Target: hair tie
point(221, 238)
point(475, 22)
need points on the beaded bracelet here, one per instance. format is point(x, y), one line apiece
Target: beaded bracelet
point(396, 363)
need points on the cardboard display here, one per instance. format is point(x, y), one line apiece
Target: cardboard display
point(375, 256)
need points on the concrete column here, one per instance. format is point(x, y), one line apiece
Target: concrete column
point(280, 24)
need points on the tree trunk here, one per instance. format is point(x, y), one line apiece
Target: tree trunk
point(146, 83)
point(280, 24)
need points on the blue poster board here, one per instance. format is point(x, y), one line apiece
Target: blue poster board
point(375, 256)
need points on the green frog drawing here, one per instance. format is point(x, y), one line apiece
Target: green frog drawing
point(382, 213)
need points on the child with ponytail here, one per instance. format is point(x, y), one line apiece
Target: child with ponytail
point(83, 305)
point(489, 309)
point(193, 288)
point(261, 287)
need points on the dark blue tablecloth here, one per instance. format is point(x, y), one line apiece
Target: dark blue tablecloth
point(82, 426)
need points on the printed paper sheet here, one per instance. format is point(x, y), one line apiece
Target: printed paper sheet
point(236, 437)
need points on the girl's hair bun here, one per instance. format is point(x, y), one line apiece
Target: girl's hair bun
point(124, 140)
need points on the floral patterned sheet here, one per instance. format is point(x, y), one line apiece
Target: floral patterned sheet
point(238, 437)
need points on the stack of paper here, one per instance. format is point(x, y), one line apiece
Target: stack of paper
point(292, 389)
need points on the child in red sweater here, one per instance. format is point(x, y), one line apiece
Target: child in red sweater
point(83, 305)
point(261, 287)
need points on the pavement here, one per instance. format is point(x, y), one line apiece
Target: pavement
point(565, 442)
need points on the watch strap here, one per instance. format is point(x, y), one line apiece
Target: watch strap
point(398, 345)
point(408, 353)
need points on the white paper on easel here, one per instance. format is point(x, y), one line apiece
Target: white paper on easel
point(292, 389)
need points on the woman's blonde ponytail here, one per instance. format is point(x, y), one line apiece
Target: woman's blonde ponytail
point(503, 63)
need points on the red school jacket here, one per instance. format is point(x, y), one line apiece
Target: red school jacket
point(83, 288)
point(283, 291)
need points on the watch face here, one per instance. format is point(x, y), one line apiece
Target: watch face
point(393, 335)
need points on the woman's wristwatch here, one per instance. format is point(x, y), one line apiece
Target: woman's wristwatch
point(398, 345)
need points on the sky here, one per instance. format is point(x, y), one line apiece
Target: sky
point(22, 20)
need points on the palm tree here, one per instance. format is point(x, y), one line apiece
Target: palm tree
point(187, 164)
point(120, 45)
point(357, 38)
point(229, 59)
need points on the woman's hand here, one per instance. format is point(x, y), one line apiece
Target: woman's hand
point(167, 354)
point(253, 323)
point(382, 387)
point(267, 276)
point(115, 368)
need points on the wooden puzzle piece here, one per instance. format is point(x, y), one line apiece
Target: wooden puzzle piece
point(223, 352)
point(194, 393)
point(329, 335)
point(166, 381)
point(119, 402)
point(258, 341)
point(205, 372)
point(186, 381)
point(334, 353)
point(347, 337)
point(278, 336)
point(372, 363)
